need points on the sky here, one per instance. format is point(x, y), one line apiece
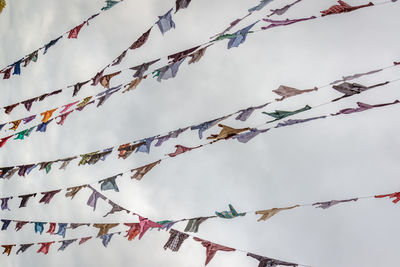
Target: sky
point(334, 158)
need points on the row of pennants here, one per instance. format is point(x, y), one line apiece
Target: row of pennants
point(176, 238)
point(165, 23)
point(168, 71)
point(242, 135)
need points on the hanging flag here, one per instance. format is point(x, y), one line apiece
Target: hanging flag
point(266, 214)
point(194, 224)
point(246, 113)
point(133, 84)
point(45, 247)
point(10, 108)
point(2, 5)
point(181, 55)
point(50, 44)
point(104, 227)
point(328, 204)
point(141, 40)
point(75, 31)
point(24, 199)
point(212, 248)
point(181, 4)
point(286, 91)
point(141, 171)
point(92, 201)
point(342, 8)
point(226, 133)
point(66, 243)
point(266, 262)
point(240, 36)
point(277, 23)
point(349, 89)
point(281, 11)
point(31, 57)
point(260, 6)
point(292, 122)
point(355, 76)
point(110, 183)
point(7, 249)
point(72, 191)
point(140, 69)
point(363, 107)
point(280, 114)
point(231, 25)
point(105, 80)
point(48, 196)
point(175, 240)
point(168, 71)
point(232, 213)
point(109, 4)
point(22, 134)
point(165, 22)
point(115, 208)
point(182, 149)
point(395, 195)
point(196, 56)
point(24, 247)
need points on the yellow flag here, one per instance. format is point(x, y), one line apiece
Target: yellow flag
point(2, 4)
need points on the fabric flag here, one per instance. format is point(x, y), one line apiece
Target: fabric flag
point(105, 80)
point(7, 249)
point(240, 36)
point(145, 147)
point(260, 6)
point(355, 76)
point(66, 243)
point(46, 166)
point(25, 198)
point(363, 107)
point(84, 239)
point(286, 91)
point(20, 224)
point(146, 224)
point(292, 122)
point(75, 31)
point(232, 213)
point(52, 228)
point(182, 149)
point(50, 44)
point(68, 106)
point(63, 117)
point(110, 183)
point(194, 224)
point(28, 103)
point(7, 73)
point(115, 208)
point(39, 227)
point(266, 214)
point(45, 247)
point(165, 22)
point(126, 150)
point(133, 84)
point(141, 40)
point(196, 56)
point(43, 126)
point(395, 195)
point(180, 55)
point(31, 57)
point(4, 140)
point(96, 79)
point(141, 69)
point(181, 4)
point(76, 225)
point(4, 203)
point(226, 132)
point(109, 4)
point(134, 230)
point(104, 227)
point(62, 228)
point(168, 71)
point(212, 248)
point(17, 67)
point(47, 114)
point(28, 119)
point(280, 114)
point(65, 163)
point(106, 239)
point(24, 247)
point(207, 125)
point(142, 171)
point(10, 108)
point(342, 8)
point(175, 240)
point(5, 225)
point(328, 204)
point(48, 196)
point(23, 133)
point(2, 5)
point(349, 89)
point(106, 94)
point(92, 201)
point(281, 11)
point(269, 262)
point(15, 124)
point(246, 113)
point(119, 58)
point(277, 23)
point(4, 170)
point(23, 169)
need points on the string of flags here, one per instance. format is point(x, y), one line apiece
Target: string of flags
point(242, 135)
point(166, 72)
point(164, 23)
point(143, 145)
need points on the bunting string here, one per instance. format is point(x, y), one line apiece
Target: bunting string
point(144, 144)
point(234, 40)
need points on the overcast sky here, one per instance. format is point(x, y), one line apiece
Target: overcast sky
point(335, 158)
